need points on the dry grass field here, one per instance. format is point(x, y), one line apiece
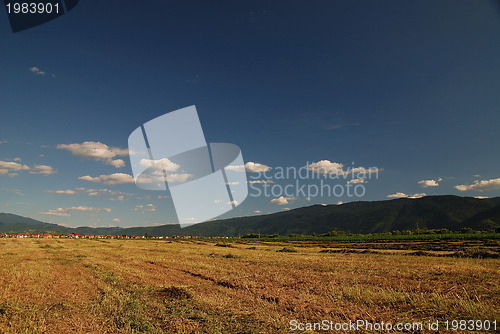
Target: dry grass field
point(196, 286)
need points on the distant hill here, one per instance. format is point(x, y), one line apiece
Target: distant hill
point(10, 223)
point(432, 212)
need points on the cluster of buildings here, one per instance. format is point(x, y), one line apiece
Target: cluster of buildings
point(92, 236)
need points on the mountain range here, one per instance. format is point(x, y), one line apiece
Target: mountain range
point(431, 212)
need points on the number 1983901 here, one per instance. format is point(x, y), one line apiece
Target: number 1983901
point(32, 8)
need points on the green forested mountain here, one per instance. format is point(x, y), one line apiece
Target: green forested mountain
point(432, 212)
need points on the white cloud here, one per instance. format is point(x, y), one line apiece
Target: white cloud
point(118, 163)
point(484, 185)
point(354, 181)
point(250, 167)
point(327, 167)
point(429, 183)
point(12, 166)
point(397, 195)
point(162, 164)
point(340, 203)
point(253, 167)
point(180, 178)
point(62, 192)
point(97, 151)
point(63, 212)
point(481, 197)
point(116, 220)
point(283, 200)
point(43, 170)
point(336, 168)
point(17, 159)
point(37, 71)
point(257, 211)
point(145, 208)
point(56, 213)
point(96, 192)
point(159, 176)
point(116, 178)
point(260, 181)
point(403, 195)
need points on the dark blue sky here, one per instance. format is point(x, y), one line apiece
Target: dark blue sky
point(410, 87)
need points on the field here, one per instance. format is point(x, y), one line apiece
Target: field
point(242, 286)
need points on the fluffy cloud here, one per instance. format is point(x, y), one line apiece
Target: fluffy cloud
point(64, 212)
point(116, 178)
point(283, 200)
point(260, 181)
point(484, 185)
point(62, 192)
point(163, 164)
point(56, 213)
point(97, 151)
point(397, 195)
point(145, 208)
point(37, 71)
point(403, 195)
point(429, 183)
point(43, 170)
point(12, 166)
point(336, 168)
point(116, 220)
point(95, 192)
point(327, 167)
point(180, 178)
point(250, 167)
point(118, 163)
point(354, 181)
point(419, 195)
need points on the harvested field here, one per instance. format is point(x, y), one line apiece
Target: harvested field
point(150, 286)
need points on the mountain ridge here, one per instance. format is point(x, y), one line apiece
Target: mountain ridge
point(431, 212)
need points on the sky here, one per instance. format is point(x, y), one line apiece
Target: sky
point(392, 99)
